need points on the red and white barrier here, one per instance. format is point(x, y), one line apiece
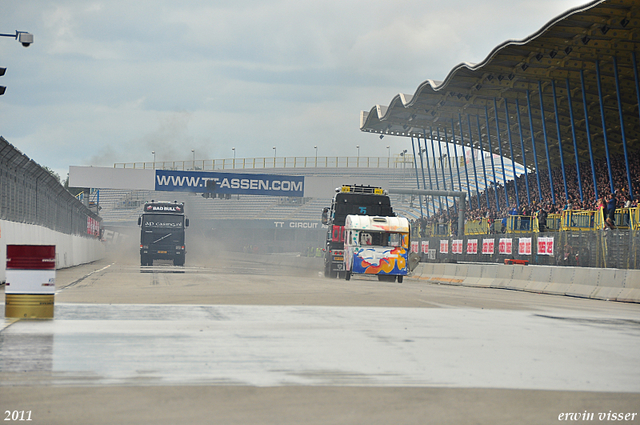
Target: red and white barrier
point(30, 286)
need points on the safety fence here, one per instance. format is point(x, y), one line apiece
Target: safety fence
point(30, 194)
point(616, 248)
point(570, 220)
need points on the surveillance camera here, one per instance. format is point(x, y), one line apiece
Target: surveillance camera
point(25, 38)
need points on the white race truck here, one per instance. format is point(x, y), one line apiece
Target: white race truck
point(376, 245)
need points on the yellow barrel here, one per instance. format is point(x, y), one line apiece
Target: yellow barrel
point(30, 286)
point(28, 306)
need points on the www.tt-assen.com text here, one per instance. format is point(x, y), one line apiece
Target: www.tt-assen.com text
point(225, 183)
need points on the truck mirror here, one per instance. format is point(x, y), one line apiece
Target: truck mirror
point(186, 222)
point(139, 221)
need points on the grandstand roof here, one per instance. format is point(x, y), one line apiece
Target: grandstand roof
point(599, 34)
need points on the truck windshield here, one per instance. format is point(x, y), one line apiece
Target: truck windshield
point(383, 239)
point(164, 229)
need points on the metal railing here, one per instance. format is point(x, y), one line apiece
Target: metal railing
point(274, 162)
point(580, 220)
point(625, 219)
point(477, 227)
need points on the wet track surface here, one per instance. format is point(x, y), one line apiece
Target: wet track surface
point(100, 344)
point(247, 324)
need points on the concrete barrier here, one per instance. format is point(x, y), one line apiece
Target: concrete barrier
point(71, 250)
point(605, 284)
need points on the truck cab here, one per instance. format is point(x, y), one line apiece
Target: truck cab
point(162, 233)
point(376, 245)
point(355, 200)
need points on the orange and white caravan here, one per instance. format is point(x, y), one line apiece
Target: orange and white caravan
point(376, 245)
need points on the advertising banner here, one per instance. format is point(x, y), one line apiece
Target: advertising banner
point(472, 246)
point(545, 246)
point(505, 245)
point(229, 183)
point(524, 246)
point(444, 246)
point(487, 246)
point(456, 246)
point(425, 247)
point(415, 246)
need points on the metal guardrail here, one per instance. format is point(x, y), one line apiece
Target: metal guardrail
point(397, 161)
point(30, 194)
point(476, 227)
point(568, 221)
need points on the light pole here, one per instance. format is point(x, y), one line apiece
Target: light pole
point(274, 156)
point(316, 148)
point(154, 159)
point(193, 156)
point(234, 157)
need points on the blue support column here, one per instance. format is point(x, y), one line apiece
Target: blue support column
point(473, 161)
point(455, 154)
point(586, 124)
point(604, 126)
point(435, 166)
point(464, 158)
point(573, 134)
point(415, 167)
point(513, 162)
point(524, 156)
point(624, 138)
point(504, 175)
point(493, 166)
point(444, 178)
point(635, 76)
point(533, 144)
point(446, 139)
point(555, 107)
point(484, 168)
point(424, 180)
point(426, 158)
point(546, 143)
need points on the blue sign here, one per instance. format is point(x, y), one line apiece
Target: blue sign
point(229, 183)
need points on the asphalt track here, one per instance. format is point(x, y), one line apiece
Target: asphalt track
point(248, 342)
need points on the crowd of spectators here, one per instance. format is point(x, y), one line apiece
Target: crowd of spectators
point(542, 202)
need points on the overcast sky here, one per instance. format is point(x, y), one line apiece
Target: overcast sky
point(111, 81)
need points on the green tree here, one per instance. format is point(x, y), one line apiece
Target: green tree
point(53, 173)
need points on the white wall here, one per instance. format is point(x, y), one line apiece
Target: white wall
point(71, 250)
point(115, 178)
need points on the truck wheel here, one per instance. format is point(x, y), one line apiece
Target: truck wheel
point(400, 279)
point(347, 275)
